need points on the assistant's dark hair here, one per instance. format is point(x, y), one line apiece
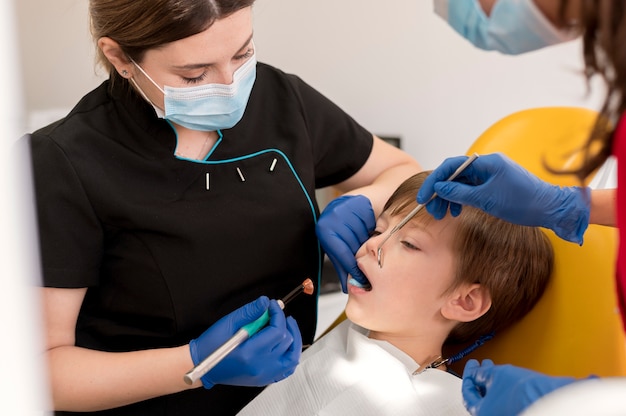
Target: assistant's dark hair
point(603, 27)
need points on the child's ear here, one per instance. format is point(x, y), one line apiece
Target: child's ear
point(467, 303)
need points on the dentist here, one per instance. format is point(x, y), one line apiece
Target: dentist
point(180, 189)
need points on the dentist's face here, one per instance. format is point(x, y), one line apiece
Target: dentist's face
point(407, 292)
point(208, 57)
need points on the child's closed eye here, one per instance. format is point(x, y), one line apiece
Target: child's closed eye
point(410, 246)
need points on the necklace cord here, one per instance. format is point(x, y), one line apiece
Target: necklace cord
point(478, 343)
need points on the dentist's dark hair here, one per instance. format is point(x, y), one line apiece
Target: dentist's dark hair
point(140, 25)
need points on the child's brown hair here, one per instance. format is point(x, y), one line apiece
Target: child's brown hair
point(513, 262)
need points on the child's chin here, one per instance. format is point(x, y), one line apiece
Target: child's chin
point(356, 313)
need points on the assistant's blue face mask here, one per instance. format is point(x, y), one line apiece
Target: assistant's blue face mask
point(208, 107)
point(513, 26)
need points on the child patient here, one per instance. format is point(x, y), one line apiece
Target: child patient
point(442, 282)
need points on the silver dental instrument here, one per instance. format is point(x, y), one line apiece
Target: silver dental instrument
point(433, 361)
point(418, 208)
point(241, 335)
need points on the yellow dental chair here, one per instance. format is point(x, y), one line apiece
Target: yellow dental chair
point(575, 329)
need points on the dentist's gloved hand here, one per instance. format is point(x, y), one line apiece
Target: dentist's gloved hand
point(502, 188)
point(270, 355)
point(494, 390)
point(343, 227)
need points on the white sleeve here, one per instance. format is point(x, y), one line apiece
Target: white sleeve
point(598, 397)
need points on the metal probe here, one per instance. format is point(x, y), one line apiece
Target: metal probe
point(419, 207)
point(241, 335)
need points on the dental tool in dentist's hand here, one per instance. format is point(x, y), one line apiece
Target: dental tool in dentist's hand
point(241, 335)
point(419, 207)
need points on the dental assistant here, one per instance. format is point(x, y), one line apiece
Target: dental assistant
point(175, 200)
point(504, 189)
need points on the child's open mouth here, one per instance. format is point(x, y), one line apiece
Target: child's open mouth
point(365, 285)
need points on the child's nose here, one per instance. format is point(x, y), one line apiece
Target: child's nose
point(371, 245)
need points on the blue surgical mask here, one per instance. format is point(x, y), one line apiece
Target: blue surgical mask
point(207, 107)
point(513, 26)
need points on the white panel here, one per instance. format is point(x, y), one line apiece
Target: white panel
point(23, 382)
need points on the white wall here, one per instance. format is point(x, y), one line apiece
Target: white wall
point(395, 66)
point(401, 70)
point(56, 55)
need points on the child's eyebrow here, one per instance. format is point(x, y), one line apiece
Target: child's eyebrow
point(385, 218)
point(419, 226)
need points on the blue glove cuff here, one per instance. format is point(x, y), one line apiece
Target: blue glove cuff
point(193, 351)
point(574, 214)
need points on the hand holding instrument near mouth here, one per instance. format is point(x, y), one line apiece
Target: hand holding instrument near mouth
point(419, 207)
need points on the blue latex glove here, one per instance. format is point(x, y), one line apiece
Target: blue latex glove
point(502, 188)
point(495, 390)
point(343, 227)
point(270, 355)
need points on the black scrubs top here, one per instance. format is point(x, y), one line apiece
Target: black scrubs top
point(167, 246)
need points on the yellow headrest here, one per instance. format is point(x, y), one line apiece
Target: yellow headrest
point(575, 329)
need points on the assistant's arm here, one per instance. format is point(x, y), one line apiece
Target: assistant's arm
point(501, 187)
point(602, 208)
point(87, 380)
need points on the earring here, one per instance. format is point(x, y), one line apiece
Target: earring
point(124, 73)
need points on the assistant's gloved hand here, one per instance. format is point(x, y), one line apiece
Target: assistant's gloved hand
point(268, 356)
point(502, 188)
point(494, 390)
point(343, 227)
